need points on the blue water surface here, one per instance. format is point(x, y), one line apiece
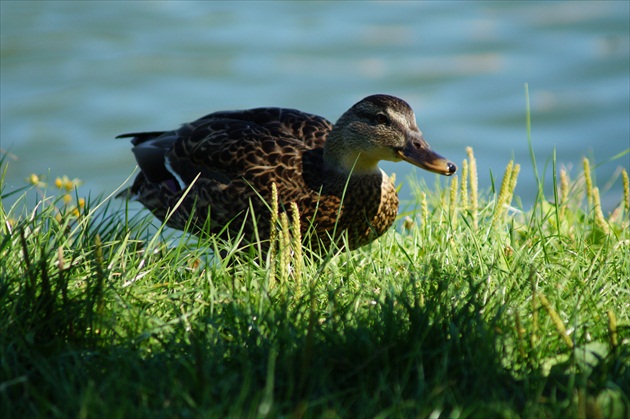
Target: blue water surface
point(76, 74)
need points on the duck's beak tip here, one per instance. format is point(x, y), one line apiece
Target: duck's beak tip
point(451, 167)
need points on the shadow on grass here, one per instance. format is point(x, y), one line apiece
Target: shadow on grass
point(423, 350)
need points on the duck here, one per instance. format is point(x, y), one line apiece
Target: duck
point(215, 175)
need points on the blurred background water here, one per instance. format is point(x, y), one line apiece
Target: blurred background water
point(76, 74)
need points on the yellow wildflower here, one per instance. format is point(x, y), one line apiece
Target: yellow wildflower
point(37, 180)
point(64, 182)
point(69, 185)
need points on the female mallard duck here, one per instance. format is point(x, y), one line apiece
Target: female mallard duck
point(222, 167)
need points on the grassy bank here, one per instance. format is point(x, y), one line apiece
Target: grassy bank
point(469, 307)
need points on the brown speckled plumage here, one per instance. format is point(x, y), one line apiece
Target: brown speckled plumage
point(235, 156)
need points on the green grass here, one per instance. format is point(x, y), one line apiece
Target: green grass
point(472, 308)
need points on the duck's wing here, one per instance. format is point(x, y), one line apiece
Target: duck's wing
point(234, 156)
point(238, 129)
point(235, 144)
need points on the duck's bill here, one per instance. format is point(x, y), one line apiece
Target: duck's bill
point(427, 159)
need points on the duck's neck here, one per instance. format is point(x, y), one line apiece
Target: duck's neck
point(355, 184)
point(342, 159)
point(352, 165)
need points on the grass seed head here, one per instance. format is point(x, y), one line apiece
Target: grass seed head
point(588, 180)
point(453, 201)
point(464, 187)
point(600, 220)
point(564, 187)
point(626, 189)
point(474, 184)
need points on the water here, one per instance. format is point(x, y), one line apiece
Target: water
point(76, 74)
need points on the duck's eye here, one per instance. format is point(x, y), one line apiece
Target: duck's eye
point(382, 119)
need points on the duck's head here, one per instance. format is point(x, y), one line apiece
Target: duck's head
point(380, 127)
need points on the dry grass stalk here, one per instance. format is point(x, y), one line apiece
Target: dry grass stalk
point(600, 220)
point(284, 247)
point(273, 232)
point(453, 202)
point(626, 189)
point(503, 193)
point(515, 171)
point(506, 192)
point(555, 318)
point(464, 191)
point(297, 243)
point(564, 187)
point(588, 180)
point(474, 184)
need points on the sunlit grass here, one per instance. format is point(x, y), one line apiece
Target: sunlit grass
point(470, 307)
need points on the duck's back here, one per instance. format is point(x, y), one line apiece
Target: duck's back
point(260, 145)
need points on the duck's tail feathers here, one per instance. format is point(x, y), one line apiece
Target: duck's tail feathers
point(141, 137)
